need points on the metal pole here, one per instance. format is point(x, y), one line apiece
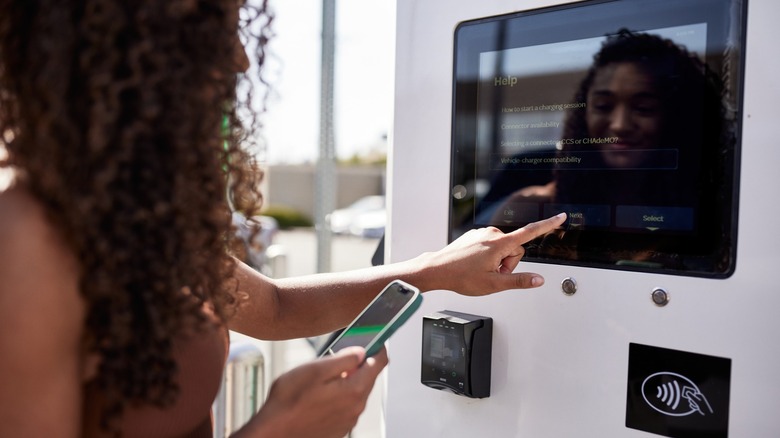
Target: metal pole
point(325, 185)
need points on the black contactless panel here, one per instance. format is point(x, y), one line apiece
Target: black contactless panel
point(677, 393)
point(457, 352)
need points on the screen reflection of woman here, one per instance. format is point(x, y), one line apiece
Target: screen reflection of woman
point(643, 94)
point(647, 137)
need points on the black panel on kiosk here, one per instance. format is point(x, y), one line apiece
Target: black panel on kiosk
point(625, 114)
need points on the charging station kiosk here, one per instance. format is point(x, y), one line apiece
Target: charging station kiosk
point(658, 314)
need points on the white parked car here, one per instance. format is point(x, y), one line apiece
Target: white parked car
point(365, 217)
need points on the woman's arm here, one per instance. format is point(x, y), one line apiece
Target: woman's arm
point(41, 315)
point(480, 262)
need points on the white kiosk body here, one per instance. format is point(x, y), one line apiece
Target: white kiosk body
point(560, 361)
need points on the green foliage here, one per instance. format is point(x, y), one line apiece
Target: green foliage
point(287, 217)
point(359, 160)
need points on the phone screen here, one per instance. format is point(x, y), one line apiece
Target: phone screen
point(374, 320)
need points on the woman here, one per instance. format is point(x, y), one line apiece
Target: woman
point(651, 135)
point(120, 122)
point(652, 111)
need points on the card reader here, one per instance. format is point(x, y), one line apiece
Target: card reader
point(456, 353)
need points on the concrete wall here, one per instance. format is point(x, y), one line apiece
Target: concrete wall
point(293, 185)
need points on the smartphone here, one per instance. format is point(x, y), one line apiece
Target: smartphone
point(388, 311)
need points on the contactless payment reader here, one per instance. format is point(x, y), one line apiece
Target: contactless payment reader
point(456, 353)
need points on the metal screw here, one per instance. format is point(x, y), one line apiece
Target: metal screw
point(569, 286)
point(660, 297)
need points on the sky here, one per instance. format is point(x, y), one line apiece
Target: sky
point(364, 66)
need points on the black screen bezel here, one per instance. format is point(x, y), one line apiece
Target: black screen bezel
point(581, 20)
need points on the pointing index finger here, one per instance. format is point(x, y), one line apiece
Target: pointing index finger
point(536, 229)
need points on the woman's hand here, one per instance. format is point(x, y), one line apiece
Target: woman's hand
point(323, 398)
point(482, 261)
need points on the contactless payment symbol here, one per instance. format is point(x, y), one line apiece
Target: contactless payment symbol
point(677, 394)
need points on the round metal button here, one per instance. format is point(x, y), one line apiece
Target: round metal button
point(569, 286)
point(459, 192)
point(660, 297)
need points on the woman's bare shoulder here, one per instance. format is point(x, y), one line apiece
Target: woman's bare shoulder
point(43, 323)
point(38, 271)
point(20, 211)
point(26, 231)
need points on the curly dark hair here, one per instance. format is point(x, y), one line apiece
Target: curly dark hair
point(124, 120)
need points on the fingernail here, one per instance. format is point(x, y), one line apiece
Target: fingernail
point(537, 281)
point(560, 215)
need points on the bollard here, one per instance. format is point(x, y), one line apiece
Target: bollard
point(242, 391)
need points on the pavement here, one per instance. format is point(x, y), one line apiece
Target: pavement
point(347, 252)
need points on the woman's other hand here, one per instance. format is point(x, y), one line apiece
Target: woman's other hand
point(323, 398)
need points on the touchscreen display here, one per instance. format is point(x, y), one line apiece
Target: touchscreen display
point(624, 114)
